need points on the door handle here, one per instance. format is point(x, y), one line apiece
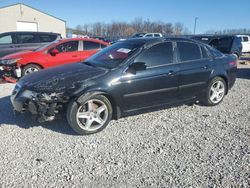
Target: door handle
point(206, 67)
point(74, 56)
point(170, 73)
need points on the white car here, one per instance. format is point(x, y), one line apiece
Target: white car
point(136, 35)
point(245, 41)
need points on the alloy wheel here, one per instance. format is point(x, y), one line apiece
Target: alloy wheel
point(30, 70)
point(217, 92)
point(92, 115)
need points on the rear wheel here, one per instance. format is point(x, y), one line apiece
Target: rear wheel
point(89, 116)
point(215, 92)
point(30, 68)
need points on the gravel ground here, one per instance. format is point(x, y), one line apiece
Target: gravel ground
point(186, 146)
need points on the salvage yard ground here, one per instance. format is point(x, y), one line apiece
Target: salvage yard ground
point(184, 146)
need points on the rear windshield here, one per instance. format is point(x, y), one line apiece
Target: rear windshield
point(222, 44)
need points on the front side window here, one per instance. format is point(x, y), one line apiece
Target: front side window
point(71, 46)
point(159, 54)
point(6, 39)
point(87, 45)
point(188, 51)
point(26, 38)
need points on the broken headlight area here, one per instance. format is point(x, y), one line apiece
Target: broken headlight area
point(12, 71)
point(45, 106)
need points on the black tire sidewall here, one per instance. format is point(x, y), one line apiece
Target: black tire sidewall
point(30, 66)
point(72, 111)
point(207, 101)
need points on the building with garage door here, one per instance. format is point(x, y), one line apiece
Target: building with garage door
point(21, 17)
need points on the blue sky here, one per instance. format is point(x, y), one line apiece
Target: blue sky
point(212, 14)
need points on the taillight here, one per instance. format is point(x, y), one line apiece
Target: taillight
point(233, 63)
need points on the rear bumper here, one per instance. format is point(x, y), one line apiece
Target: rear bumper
point(232, 77)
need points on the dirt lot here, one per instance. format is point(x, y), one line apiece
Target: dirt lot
point(178, 147)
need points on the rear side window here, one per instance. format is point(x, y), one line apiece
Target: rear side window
point(188, 51)
point(159, 54)
point(87, 45)
point(6, 39)
point(47, 38)
point(245, 39)
point(149, 35)
point(26, 38)
point(71, 46)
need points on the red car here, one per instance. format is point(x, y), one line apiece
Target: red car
point(53, 54)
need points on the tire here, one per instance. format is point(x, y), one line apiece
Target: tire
point(90, 114)
point(30, 68)
point(215, 92)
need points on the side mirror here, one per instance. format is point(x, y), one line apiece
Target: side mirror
point(137, 66)
point(54, 52)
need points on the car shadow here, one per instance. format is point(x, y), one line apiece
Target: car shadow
point(243, 73)
point(27, 121)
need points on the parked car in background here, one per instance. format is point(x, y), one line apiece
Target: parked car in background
point(146, 35)
point(129, 77)
point(12, 42)
point(227, 44)
point(53, 54)
point(245, 41)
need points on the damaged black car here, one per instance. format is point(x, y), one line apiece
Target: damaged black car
point(129, 77)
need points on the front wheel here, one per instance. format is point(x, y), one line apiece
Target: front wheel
point(89, 116)
point(30, 68)
point(215, 92)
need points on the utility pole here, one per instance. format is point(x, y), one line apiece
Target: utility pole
point(195, 20)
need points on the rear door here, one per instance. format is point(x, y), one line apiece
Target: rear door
point(68, 53)
point(26, 41)
point(156, 85)
point(195, 68)
point(6, 44)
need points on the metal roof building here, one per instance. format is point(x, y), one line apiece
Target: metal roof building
point(21, 17)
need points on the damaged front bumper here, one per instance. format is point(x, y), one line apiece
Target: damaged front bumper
point(45, 106)
point(11, 73)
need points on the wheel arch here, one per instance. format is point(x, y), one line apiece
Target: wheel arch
point(224, 77)
point(116, 112)
point(32, 63)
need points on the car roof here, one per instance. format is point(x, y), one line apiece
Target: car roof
point(33, 32)
point(153, 40)
point(83, 39)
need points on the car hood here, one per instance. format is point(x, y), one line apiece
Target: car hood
point(59, 79)
point(18, 54)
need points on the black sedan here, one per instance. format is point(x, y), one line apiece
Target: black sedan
point(129, 77)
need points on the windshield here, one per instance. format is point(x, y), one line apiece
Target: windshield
point(114, 55)
point(46, 46)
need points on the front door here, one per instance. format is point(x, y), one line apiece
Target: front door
point(157, 84)
point(68, 53)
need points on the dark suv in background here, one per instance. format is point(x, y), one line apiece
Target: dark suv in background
point(11, 42)
point(227, 44)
